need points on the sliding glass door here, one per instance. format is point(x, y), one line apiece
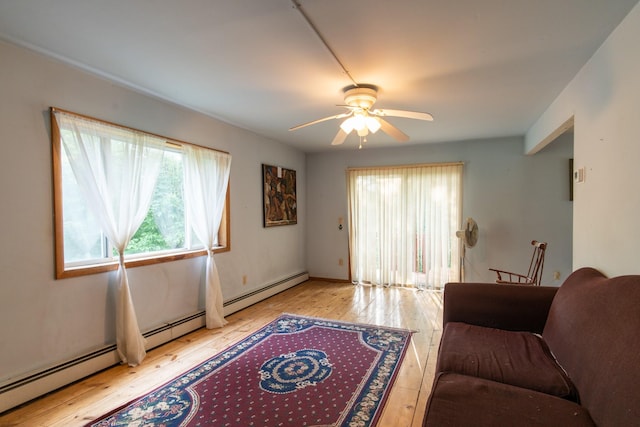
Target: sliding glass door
point(402, 224)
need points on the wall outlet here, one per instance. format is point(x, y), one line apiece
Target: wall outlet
point(556, 275)
point(244, 279)
point(578, 175)
point(340, 262)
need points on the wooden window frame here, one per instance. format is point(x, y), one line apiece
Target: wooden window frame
point(62, 271)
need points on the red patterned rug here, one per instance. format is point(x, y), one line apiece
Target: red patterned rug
point(295, 371)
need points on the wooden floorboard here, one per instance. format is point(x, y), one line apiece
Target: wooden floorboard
point(87, 399)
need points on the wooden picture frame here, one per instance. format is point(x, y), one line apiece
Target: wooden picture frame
point(279, 202)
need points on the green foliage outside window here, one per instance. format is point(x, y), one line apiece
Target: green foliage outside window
point(164, 226)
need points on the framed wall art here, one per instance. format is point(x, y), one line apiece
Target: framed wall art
point(280, 206)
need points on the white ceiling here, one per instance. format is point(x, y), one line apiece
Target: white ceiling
point(483, 68)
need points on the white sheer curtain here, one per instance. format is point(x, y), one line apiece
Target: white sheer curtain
point(206, 179)
point(402, 224)
point(116, 170)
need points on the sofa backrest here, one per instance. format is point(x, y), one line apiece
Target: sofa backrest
point(593, 329)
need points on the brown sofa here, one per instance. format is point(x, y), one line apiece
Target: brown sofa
point(514, 355)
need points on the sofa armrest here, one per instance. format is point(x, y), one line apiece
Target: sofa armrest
point(508, 307)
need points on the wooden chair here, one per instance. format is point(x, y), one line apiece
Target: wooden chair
point(534, 274)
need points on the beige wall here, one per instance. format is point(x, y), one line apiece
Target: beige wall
point(45, 321)
point(604, 99)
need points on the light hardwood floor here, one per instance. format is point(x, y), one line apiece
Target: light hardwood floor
point(91, 397)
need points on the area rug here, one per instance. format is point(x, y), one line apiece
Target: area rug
point(295, 371)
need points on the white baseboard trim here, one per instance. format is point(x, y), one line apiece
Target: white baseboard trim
point(30, 386)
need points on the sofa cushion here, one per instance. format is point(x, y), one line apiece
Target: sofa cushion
point(517, 358)
point(460, 400)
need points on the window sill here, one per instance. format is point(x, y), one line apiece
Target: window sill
point(64, 272)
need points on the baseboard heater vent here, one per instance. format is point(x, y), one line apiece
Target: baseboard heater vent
point(44, 381)
point(57, 368)
point(291, 281)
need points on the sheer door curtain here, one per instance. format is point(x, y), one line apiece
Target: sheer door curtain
point(402, 224)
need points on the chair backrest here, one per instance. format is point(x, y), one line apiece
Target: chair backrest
point(592, 330)
point(537, 262)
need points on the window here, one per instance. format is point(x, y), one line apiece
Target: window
point(402, 224)
point(165, 233)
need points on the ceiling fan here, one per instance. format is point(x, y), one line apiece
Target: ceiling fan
point(362, 119)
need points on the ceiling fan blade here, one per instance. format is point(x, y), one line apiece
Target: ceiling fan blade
point(350, 107)
point(393, 131)
point(337, 116)
point(340, 137)
point(402, 113)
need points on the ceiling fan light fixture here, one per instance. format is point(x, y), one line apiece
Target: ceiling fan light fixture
point(357, 122)
point(363, 132)
point(373, 124)
point(362, 123)
point(347, 125)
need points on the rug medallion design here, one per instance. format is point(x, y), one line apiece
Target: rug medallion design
point(295, 371)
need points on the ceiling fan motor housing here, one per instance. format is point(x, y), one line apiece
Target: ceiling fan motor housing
point(362, 96)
